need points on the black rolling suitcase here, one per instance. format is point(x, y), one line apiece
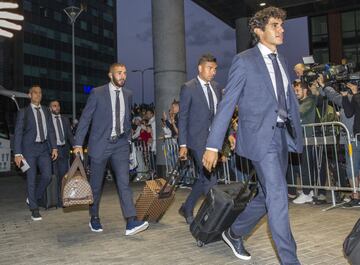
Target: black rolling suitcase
point(351, 245)
point(219, 210)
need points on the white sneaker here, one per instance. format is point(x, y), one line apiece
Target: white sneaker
point(303, 198)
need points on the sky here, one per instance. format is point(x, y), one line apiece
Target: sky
point(204, 33)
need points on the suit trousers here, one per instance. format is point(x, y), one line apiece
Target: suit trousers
point(118, 153)
point(61, 167)
point(202, 185)
point(38, 158)
point(271, 199)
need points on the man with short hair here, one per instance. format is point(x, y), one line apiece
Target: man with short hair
point(35, 143)
point(108, 110)
point(307, 107)
point(64, 141)
point(269, 127)
point(199, 98)
point(299, 69)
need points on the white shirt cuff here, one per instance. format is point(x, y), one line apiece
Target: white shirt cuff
point(183, 145)
point(212, 149)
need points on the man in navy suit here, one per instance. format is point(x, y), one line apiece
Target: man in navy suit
point(64, 140)
point(35, 143)
point(108, 110)
point(269, 127)
point(198, 104)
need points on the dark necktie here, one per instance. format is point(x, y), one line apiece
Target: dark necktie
point(280, 91)
point(117, 113)
point(211, 100)
point(60, 131)
point(40, 124)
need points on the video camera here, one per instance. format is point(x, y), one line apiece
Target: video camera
point(333, 74)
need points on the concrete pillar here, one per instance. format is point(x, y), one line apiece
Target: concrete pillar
point(168, 33)
point(243, 36)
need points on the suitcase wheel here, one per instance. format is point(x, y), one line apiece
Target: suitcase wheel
point(199, 243)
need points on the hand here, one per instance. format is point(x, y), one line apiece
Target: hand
point(183, 152)
point(223, 158)
point(354, 88)
point(54, 154)
point(4, 16)
point(344, 93)
point(232, 141)
point(18, 160)
point(164, 117)
point(320, 80)
point(78, 150)
point(210, 159)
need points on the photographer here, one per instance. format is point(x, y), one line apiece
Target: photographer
point(352, 109)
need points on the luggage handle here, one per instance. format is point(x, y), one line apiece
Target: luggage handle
point(171, 182)
point(243, 189)
point(77, 164)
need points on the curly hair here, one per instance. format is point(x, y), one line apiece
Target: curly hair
point(261, 19)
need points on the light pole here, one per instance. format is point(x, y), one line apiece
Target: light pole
point(142, 71)
point(73, 12)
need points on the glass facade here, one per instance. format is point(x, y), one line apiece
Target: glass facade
point(44, 51)
point(350, 37)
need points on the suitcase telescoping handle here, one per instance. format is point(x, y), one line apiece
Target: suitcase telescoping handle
point(171, 181)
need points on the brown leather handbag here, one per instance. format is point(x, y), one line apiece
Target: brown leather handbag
point(75, 188)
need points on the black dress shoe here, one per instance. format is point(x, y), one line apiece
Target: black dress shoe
point(188, 218)
point(236, 244)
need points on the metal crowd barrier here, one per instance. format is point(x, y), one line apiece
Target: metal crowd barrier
point(328, 150)
point(142, 159)
point(189, 174)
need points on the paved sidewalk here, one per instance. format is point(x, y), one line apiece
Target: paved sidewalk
point(63, 237)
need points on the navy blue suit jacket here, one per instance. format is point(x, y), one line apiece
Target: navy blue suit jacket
point(25, 131)
point(250, 88)
point(98, 113)
point(194, 114)
point(69, 137)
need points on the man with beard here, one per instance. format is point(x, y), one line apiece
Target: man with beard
point(64, 140)
point(108, 110)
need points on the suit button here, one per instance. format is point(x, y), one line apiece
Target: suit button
point(276, 111)
point(273, 127)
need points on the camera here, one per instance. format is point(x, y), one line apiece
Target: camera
point(334, 75)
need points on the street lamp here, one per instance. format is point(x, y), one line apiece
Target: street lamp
point(142, 71)
point(73, 12)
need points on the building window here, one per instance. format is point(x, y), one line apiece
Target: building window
point(44, 12)
point(319, 31)
point(108, 17)
point(27, 5)
point(94, 12)
point(83, 25)
point(348, 24)
point(110, 3)
point(108, 34)
point(57, 16)
point(95, 29)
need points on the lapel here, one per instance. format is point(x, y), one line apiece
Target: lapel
point(216, 90)
point(31, 115)
point(200, 91)
point(284, 65)
point(126, 101)
point(108, 106)
point(259, 60)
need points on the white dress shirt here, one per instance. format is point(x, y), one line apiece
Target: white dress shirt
point(112, 90)
point(33, 107)
point(58, 142)
point(202, 82)
point(265, 51)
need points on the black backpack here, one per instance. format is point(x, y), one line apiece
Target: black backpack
point(351, 245)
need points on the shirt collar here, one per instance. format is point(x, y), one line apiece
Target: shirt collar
point(265, 51)
point(34, 106)
point(54, 115)
point(202, 82)
point(113, 87)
